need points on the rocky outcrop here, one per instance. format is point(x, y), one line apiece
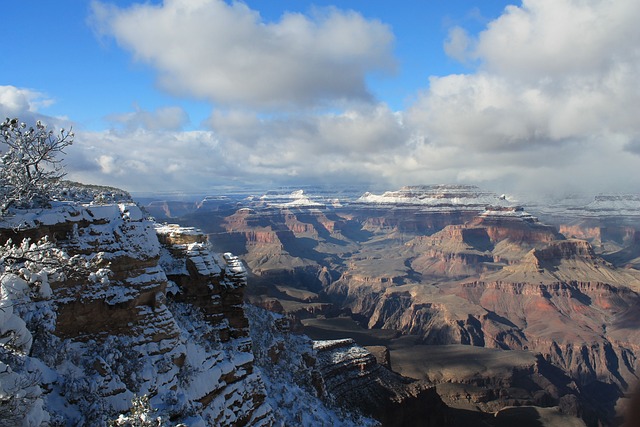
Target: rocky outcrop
point(353, 377)
point(455, 251)
point(515, 225)
point(138, 315)
point(498, 236)
point(563, 250)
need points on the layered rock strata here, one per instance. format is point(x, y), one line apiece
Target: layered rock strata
point(336, 377)
point(353, 377)
point(137, 315)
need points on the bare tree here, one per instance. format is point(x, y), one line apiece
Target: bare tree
point(30, 167)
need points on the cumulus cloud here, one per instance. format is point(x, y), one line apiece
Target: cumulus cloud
point(148, 160)
point(243, 148)
point(239, 148)
point(458, 44)
point(351, 146)
point(22, 102)
point(228, 54)
point(553, 101)
point(25, 104)
point(561, 37)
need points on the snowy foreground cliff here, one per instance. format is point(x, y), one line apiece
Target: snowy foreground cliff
point(108, 306)
point(102, 309)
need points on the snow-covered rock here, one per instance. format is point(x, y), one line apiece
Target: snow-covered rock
point(436, 198)
point(125, 313)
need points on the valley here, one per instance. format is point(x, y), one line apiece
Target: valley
point(452, 285)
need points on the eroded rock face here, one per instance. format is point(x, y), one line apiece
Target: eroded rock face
point(490, 379)
point(353, 377)
point(561, 301)
point(496, 237)
point(531, 291)
point(439, 263)
point(162, 319)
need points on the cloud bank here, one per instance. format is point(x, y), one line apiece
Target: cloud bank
point(555, 91)
point(551, 103)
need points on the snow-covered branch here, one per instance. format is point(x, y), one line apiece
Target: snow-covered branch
point(30, 166)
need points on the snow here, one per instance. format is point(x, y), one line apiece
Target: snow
point(331, 344)
point(203, 258)
point(14, 333)
point(516, 212)
point(340, 352)
point(131, 212)
point(289, 379)
point(93, 380)
point(612, 205)
point(105, 212)
point(13, 329)
point(600, 206)
point(150, 275)
point(297, 200)
point(234, 265)
point(436, 197)
point(175, 230)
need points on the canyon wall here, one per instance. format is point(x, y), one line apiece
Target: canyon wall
point(142, 310)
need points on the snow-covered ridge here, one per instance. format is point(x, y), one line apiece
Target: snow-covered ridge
point(295, 199)
point(65, 211)
point(436, 197)
point(497, 212)
point(614, 205)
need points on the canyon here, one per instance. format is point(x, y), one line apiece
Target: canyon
point(430, 274)
point(110, 318)
point(437, 305)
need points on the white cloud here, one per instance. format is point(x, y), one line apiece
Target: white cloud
point(553, 102)
point(242, 148)
point(20, 101)
point(228, 54)
point(559, 37)
point(145, 160)
point(330, 147)
point(458, 44)
point(108, 164)
point(165, 118)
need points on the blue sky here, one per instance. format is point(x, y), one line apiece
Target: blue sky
point(193, 95)
point(55, 50)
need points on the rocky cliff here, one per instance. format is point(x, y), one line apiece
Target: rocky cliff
point(134, 309)
point(327, 378)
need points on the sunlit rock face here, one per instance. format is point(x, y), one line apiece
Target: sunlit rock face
point(147, 310)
